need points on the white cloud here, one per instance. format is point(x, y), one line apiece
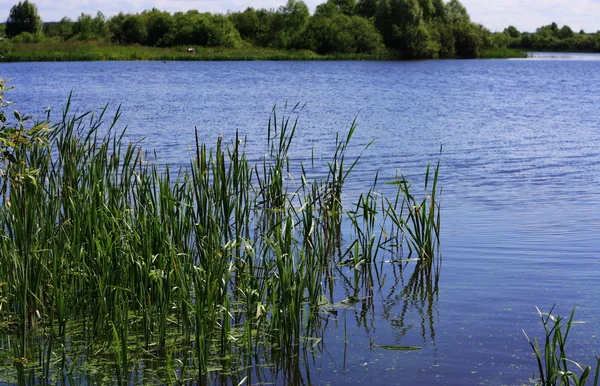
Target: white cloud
point(526, 15)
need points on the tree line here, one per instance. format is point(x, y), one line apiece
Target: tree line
point(550, 38)
point(407, 29)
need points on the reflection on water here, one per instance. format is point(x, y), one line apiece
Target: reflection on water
point(562, 56)
point(419, 294)
point(405, 291)
point(408, 289)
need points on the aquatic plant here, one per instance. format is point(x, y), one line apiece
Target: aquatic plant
point(423, 220)
point(554, 367)
point(219, 267)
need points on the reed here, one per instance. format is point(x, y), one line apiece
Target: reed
point(554, 367)
point(422, 223)
point(219, 267)
point(363, 218)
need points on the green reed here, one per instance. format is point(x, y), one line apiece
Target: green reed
point(421, 225)
point(363, 217)
point(554, 367)
point(105, 255)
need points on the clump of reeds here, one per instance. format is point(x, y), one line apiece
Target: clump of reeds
point(422, 222)
point(554, 367)
point(107, 256)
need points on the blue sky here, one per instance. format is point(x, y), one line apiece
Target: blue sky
point(526, 15)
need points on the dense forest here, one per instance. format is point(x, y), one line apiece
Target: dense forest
point(403, 29)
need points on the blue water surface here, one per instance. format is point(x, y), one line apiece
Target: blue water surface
point(520, 171)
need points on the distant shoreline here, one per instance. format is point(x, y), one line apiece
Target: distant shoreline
point(69, 52)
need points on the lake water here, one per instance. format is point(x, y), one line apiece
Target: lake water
point(520, 171)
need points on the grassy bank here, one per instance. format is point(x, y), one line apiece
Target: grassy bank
point(113, 267)
point(49, 52)
point(76, 51)
point(54, 52)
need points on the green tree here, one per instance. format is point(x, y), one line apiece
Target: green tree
point(289, 22)
point(219, 31)
point(115, 27)
point(428, 9)
point(455, 13)
point(331, 7)
point(404, 29)
point(5, 47)
point(327, 9)
point(502, 39)
point(66, 28)
point(99, 27)
point(565, 32)
point(440, 9)
point(203, 29)
point(254, 26)
point(134, 30)
point(512, 31)
point(596, 39)
point(526, 41)
point(91, 28)
point(62, 29)
point(366, 8)
point(158, 24)
point(23, 17)
point(341, 33)
point(584, 43)
point(83, 27)
point(470, 39)
point(446, 39)
point(547, 30)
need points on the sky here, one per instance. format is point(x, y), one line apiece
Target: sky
point(526, 15)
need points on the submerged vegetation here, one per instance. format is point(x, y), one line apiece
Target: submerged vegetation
point(114, 268)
